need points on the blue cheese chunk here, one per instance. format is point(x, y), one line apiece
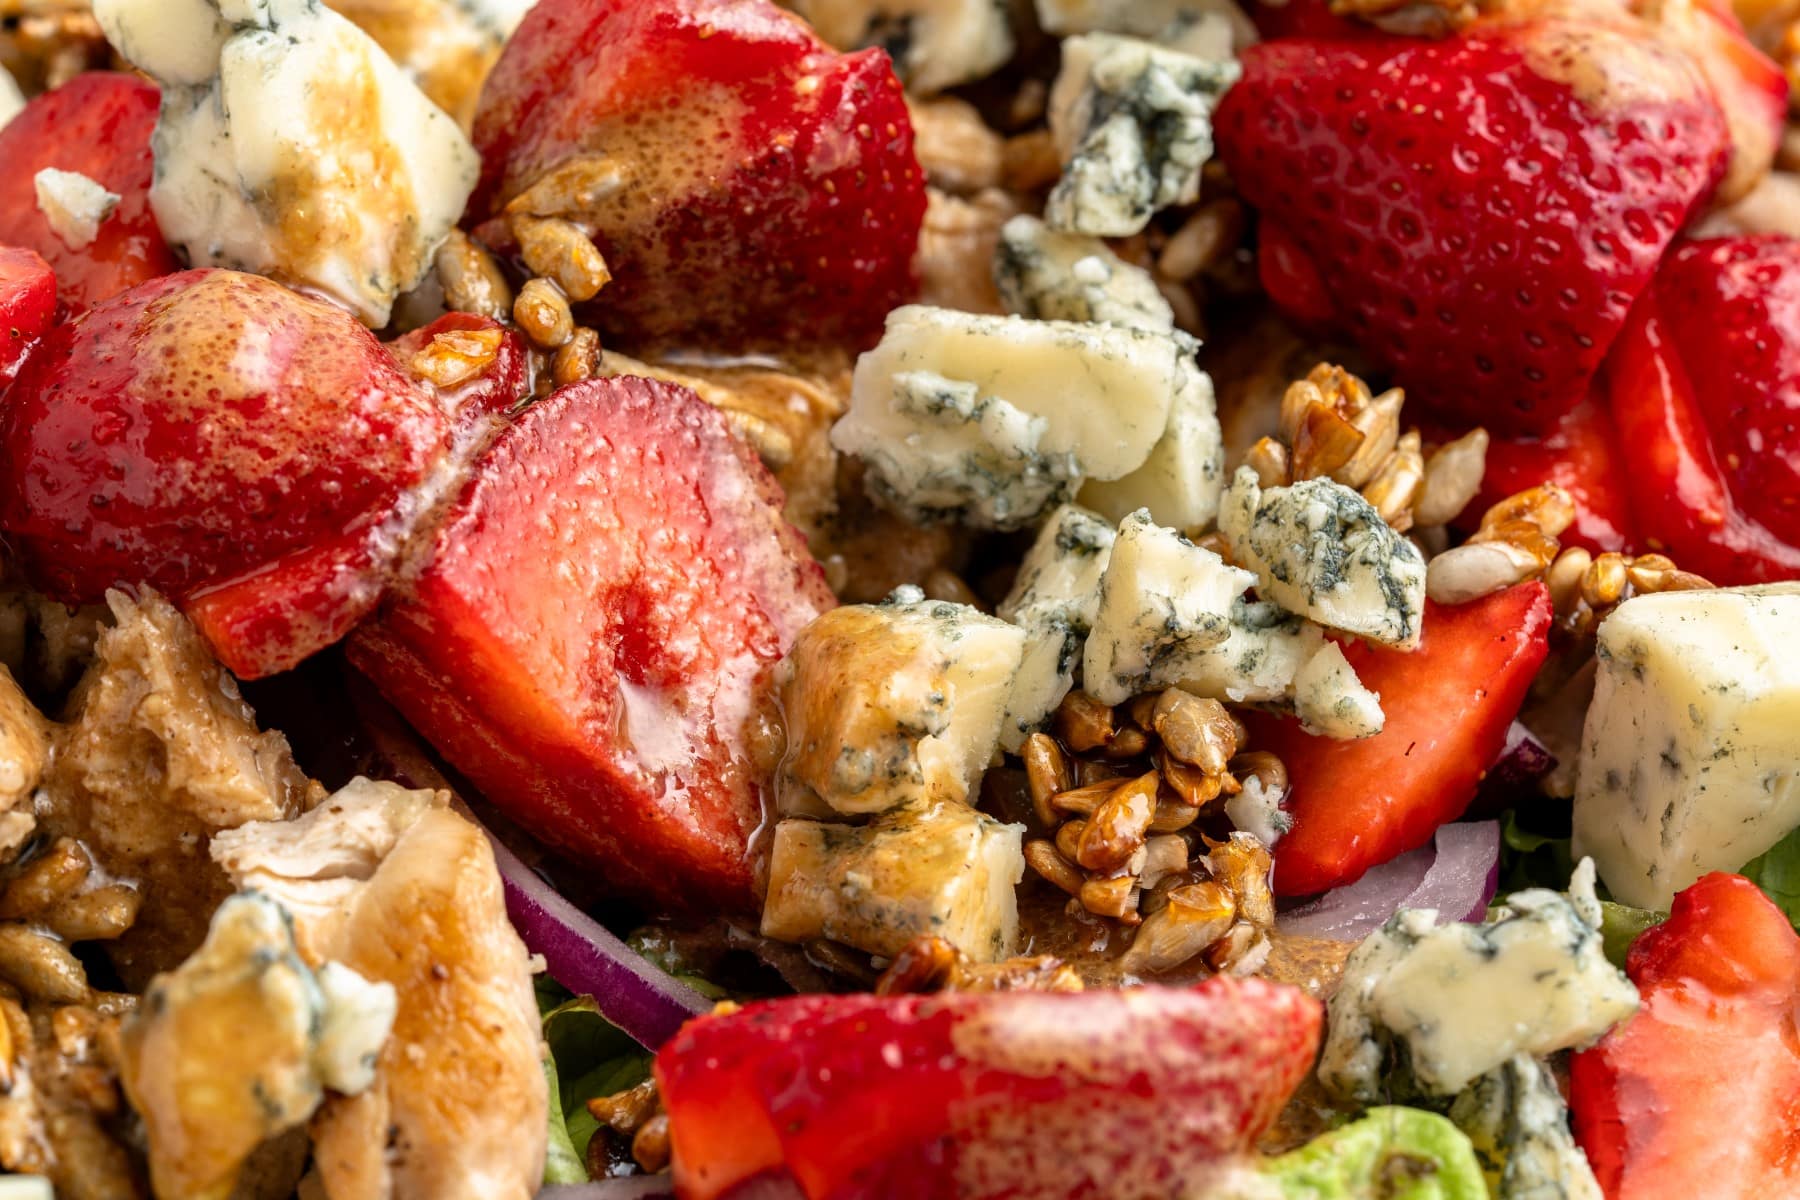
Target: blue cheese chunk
point(290, 145)
point(893, 702)
point(1453, 1002)
point(1181, 481)
point(1261, 656)
point(1208, 28)
point(1054, 599)
point(1161, 599)
point(1132, 125)
point(996, 420)
point(929, 867)
point(1051, 276)
point(73, 205)
point(1519, 1124)
point(1331, 701)
point(1690, 759)
point(935, 44)
point(1320, 550)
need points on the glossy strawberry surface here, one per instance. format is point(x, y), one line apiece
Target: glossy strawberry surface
point(1581, 454)
point(27, 305)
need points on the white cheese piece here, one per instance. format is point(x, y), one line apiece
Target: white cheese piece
point(358, 1015)
point(1208, 28)
point(1322, 551)
point(1690, 759)
point(1259, 659)
point(73, 205)
point(1046, 675)
point(1257, 811)
point(926, 868)
point(1161, 599)
point(1519, 1123)
point(290, 145)
point(1054, 599)
point(1131, 123)
point(12, 100)
point(1331, 701)
point(1453, 1002)
point(1051, 276)
point(893, 702)
point(1181, 480)
point(994, 420)
point(935, 44)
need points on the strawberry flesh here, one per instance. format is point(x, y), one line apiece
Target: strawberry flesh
point(794, 216)
point(1357, 804)
point(591, 639)
point(99, 125)
point(1698, 1094)
point(1096, 1094)
point(27, 305)
point(493, 391)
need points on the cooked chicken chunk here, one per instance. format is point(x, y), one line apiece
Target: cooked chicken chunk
point(401, 889)
point(24, 746)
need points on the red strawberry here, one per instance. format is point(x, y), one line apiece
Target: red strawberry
point(1699, 1093)
point(1705, 386)
point(27, 305)
point(1119, 1094)
point(98, 125)
point(206, 427)
point(492, 388)
point(591, 638)
point(756, 184)
point(1356, 804)
point(1581, 455)
point(1485, 211)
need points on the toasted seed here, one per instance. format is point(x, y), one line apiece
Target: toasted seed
point(1605, 581)
point(472, 280)
point(456, 356)
point(559, 250)
point(1240, 951)
point(1271, 462)
point(40, 966)
point(1201, 239)
point(1172, 816)
point(1192, 917)
point(576, 359)
point(1046, 774)
point(924, 965)
point(1242, 864)
point(625, 1112)
point(1453, 475)
point(1195, 731)
point(1476, 569)
point(1129, 742)
point(1116, 830)
point(1565, 575)
point(1270, 772)
point(1083, 723)
point(1191, 786)
point(100, 915)
point(1142, 709)
point(1087, 798)
point(650, 1145)
point(542, 311)
point(1164, 856)
point(46, 880)
point(573, 188)
point(1068, 839)
point(1043, 858)
point(1114, 897)
point(1396, 484)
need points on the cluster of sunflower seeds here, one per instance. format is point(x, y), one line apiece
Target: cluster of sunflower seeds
point(932, 964)
point(1517, 541)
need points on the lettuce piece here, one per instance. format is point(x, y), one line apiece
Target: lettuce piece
point(1777, 872)
point(1391, 1153)
point(589, 1058)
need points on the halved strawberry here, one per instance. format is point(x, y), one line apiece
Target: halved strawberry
point(495, 357)
point(27, 305)
point(743, 179)
point(207, 427)
point(1356, 804)
point(1486, 205)
point(1699, 1093)
point(1705, 388)
point(1118, 1094)
point(98, 125)
point(591, 638)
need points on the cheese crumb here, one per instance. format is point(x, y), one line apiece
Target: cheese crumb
point(74, 205)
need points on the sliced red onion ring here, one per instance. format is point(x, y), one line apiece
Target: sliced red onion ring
point(1456, 875)
point(1523, 760)
point(629, 1187)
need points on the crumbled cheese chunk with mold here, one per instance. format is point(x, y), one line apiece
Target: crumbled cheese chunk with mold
point(1051, 276)
point(893, 702)
point(1690, 759)
point(1180, 483)
point(1132, 125)
point(929, 867)
point(1453, 1002)
point(73, 205)
point(1261, 656)
point(995, 420)
point(1331, 701)
point(1517, 1120)
point(1320, 550)
point(1257, 811)
point(935, 44)
point(1210, 29)
point(1054, 599)
point(1161, 598)
point(290, 145)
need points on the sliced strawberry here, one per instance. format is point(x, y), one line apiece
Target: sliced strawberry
point(1288, 273)
point(1699, 1093)
point(27, 305)
point(1487, 205)
point(1751, 89)
point(1705, 387)
point(1356, 804)
point(207, 426)
point(795, 215)
point(591, 638)
point(495, 356)
point(1120, 1094)
point(98, 125)
point(1580, 454)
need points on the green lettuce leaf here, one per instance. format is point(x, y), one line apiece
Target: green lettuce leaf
point(1619, 926)
point(589, 1058)
point(1392, 1153)
point(1777, 872)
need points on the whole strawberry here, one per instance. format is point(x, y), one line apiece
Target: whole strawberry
point(1486, 206)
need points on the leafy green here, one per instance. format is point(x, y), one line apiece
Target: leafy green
point(589, 1058)
point(1777, 872)
point(660, 951)
point(561, 1163)
point(1529, 858)
point(1392, 1153)
point(1619, 926)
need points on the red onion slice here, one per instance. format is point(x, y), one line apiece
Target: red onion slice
point(1523, 760)
point(1456, 875)
point(627, 1187)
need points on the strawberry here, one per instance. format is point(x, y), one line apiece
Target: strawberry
point(207, 427)
point(27, 305)
point(492, 388)
point(794, 216)
point(98, 125)
point(1121, 1094)
point(1580, 454)
point(1705, 386)
point(591, 638)
point(1485, 208)
point(1699, 1093)
point(1357, 804)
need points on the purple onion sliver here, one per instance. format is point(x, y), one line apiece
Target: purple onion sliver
point(1464, 872)
point(1352, 912)
point(627, 1187)
point(1523, 759)
point(585, 957)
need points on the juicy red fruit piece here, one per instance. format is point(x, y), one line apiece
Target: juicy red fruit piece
point(591, 639)
point(796, 215)
point(492, 389)
point(1581, 455)
point(98, 125)
point(1698, 1094)
point(1357, 804)
point(27, 305)
point(206, 427)
point(1118, 1094)
point(1489, 225)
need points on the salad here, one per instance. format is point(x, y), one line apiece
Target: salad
point(899, 598)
